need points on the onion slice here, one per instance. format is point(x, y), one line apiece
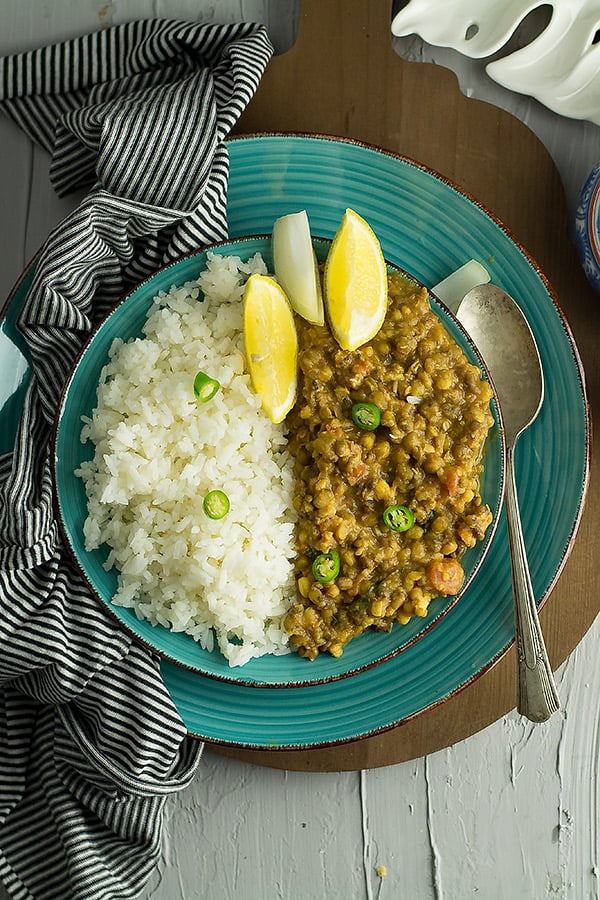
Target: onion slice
point(296, 267)
point(453, 288)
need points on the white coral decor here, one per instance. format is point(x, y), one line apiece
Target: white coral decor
point(560, 67)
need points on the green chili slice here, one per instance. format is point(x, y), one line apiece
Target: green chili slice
point(216, 504)
point(326, 566)
point(398, 518)
point(205, 387)
point(366, 415)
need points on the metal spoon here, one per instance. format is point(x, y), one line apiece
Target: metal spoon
point(504, 339)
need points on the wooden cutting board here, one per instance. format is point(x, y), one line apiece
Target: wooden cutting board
point(342, 77)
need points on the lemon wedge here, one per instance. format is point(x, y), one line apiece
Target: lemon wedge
point(296, 267)
point(271, 345)
point(355, 283)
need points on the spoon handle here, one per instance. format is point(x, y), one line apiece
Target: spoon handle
point(537, 694)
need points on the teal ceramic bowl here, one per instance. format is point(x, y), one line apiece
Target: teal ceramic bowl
point(427, 226)
point(79, 399)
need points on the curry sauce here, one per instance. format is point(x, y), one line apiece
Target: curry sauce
point(425, 455)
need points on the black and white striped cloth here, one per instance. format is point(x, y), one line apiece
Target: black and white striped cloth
point(90, 742)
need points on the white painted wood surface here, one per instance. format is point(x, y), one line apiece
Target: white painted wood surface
point(512, 812)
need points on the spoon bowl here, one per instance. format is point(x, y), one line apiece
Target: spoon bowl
point(503, 336)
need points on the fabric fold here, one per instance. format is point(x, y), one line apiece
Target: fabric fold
point(91, 744)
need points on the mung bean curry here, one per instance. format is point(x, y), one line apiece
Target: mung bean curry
point(387, 442)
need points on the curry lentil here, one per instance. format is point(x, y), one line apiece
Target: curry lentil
point(426, 455)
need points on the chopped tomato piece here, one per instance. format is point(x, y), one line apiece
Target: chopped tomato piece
point(449, 478)
point(356, 472)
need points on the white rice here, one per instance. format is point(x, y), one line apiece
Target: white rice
point(158, 451)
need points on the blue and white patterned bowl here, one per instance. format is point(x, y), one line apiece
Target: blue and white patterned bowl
point(587, 227)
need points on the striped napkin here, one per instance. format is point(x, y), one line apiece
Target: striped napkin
point(91, 744)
